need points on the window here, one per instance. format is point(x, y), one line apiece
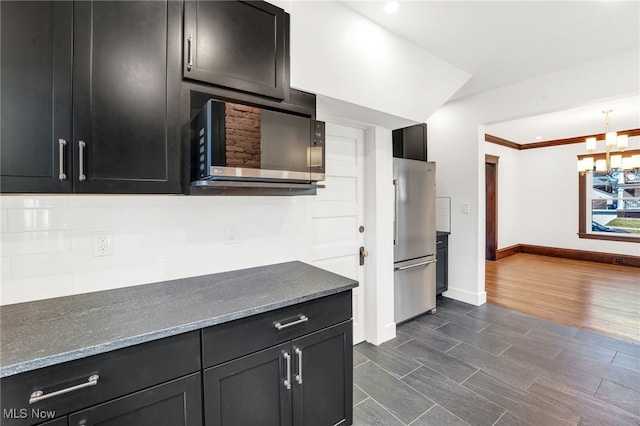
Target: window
point(610, 205)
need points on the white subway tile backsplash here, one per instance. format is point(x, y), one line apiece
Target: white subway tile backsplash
point(45, 219)
point(23, 290)
point(3, 221)
point(24, 243)
point(34, 201)
point(5, 273)
point(115, 201)
point(90, 281)
point(46, 241)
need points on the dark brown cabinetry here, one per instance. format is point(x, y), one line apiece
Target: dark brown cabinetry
point(289, 366)
point(35, 96)
point(134, 376)
point(302, 374)
point(176, 403)
point(119, 132)
point(442, 264)
point(238, 45)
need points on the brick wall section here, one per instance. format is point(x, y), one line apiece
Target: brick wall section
point(242, 128)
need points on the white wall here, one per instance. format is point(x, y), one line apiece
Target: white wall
point(538, 199)
point(338, 53)
point(46, 241)
point(456, 140)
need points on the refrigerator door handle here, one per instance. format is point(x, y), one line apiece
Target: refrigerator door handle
point(415, 265)
point(395, 212)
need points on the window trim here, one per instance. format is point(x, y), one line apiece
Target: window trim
point(583, 232)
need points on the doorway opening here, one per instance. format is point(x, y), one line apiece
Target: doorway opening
point(491, 203)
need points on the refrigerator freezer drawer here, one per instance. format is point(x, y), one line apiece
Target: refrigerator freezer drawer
point(415, 290)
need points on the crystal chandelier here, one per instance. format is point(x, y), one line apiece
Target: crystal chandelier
point(614, 160)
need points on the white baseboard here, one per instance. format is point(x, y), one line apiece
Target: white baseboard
point(475, 299)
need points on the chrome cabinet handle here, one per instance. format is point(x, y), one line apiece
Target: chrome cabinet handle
point(301, 319)
point(190, 53)
point(402, 268)
point(40, 395)
point(81, 175)
point(287, 381)
point(298, 352)
point(395, 212)
point(61, 144)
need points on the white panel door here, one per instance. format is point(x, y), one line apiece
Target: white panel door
point(337, 212)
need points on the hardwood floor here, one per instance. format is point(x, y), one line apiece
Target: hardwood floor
point(595, 296)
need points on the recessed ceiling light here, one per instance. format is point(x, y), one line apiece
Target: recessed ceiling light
point(538, 138)
point(391, 6)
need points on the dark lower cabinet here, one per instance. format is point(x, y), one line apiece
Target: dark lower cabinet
point(90, 96)
point(323, 378)
point(289, 366)
point(62, 421)
point(176, 403)
point(306, 381)
point(249, 390)
point(442, 264)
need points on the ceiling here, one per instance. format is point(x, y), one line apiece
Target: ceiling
point(503, 42)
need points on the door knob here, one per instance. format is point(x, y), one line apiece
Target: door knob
point(363, 254)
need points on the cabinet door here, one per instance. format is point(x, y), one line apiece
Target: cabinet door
point(35, 96)
point(62, 421)
point(442, 268)
point(250, 390)
point(173, 403)
point(240, 45)
point(125, 96)
point(323, 377)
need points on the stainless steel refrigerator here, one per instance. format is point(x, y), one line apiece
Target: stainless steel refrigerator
point(414, 238)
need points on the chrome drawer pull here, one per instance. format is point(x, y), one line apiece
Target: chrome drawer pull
point(287, 381)
point(302, 319)
point(190, 53)
point(81, 147)
point(298, 352)
point(40, 395)
point(428, 262)
point(61, 144)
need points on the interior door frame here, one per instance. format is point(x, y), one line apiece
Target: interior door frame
point(491, 206)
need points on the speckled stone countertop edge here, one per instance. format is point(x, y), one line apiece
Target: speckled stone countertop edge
point(58, 358)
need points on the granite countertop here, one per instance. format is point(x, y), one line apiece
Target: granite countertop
point(47, 332)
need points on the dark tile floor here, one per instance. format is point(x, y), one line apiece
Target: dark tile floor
point(488, 365)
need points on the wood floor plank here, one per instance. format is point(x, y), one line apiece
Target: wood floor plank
point(594, 296)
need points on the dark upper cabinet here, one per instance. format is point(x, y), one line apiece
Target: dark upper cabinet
point(125, 97)
point(238, 45)
point(120, 127)
point(410, 142)
point(35, 96)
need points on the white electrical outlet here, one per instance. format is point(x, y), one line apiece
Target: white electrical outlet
point(465, 207)
point(102, 243)
point(231, 233)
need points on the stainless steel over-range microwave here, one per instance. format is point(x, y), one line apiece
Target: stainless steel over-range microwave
point(233, 141)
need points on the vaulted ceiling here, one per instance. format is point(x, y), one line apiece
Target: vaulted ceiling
point(504, 42)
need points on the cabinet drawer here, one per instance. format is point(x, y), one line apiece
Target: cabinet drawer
point(120, 372)
point(227, 341)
